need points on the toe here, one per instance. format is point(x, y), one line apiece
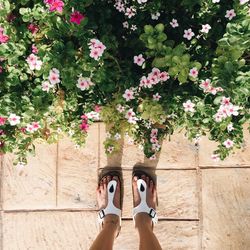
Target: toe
point(109, 178)
point(117, 180)
point(143, 177)
point(101, 188)
point(151, 186)
point(147, 181)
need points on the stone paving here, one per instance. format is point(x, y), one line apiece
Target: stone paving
point(50, 204)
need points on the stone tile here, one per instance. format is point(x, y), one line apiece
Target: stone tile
point(49, 230)
point(240, 158)
point(172, 235)
point(77, 172)
point(177, 194)
point(33, 186)
point(226, 209)
point(178, 153)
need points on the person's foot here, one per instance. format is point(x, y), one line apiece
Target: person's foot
point(143, 219)
point(110, 220)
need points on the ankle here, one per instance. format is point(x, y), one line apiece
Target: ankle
point(111, 223)
point(143, 221)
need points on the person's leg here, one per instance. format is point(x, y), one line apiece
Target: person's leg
point(143, 222)
point(111, 224)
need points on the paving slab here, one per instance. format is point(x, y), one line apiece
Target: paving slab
point(34, 185)
point(77, 172)
point(226, 209)
point(240, 158)
point(49, 230)
point(178, 153)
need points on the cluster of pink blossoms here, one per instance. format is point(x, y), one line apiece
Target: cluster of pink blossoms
point(2, 120)
point(53, 79)
point(207, 87)
point(128, 11)
point(34, 62)
point(154, 78)
point(84, 83)
point(3, 38)
point(84, 126)
point(226, 109)
point(154, 140)
point(32, 127)
point(96, 48)
point(55, 5)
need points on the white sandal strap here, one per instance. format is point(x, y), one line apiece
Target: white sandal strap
point(143, 206)
point(110, 209)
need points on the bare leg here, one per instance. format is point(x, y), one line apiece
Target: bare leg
point(143, 222)
point(106, 237)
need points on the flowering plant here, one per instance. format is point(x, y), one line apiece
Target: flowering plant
point(145, 67)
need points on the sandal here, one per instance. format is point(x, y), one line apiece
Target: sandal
point(110, 208)
point(143, 206)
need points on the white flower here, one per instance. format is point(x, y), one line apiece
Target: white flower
point(34, 62)
point(125, 25)
point(243, 1)
point(215, 1)
point(174, 23)
point(228, 143)
point(120, 108)
point(97, 48)
point(142, 1)
point(230, 14)
point(189, 106)
point(139, 60)
point(205, 28)
point(110, 149)
point(215, 157)
point(188, 34)
point(156, 97)
point(84, 83)
point(133, 27)
point(128, 95)
point(46, 86)
point(93, 115)
point(155, 16)
point(230, 127)
point(117, 136)
point(130, 12)
point(14, 119)
point(193, 72)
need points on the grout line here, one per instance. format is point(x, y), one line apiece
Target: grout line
point(222, 167)
point(1, 182)
point(57, 156)
point(200, 205)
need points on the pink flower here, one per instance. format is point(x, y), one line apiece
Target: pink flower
point(54, 76)
point(164, 76)
point(205, 28)
point(2, 120)
point(156, 97)
point(46, 86)
point(230, 127)
point(205, 85)
point(56, 5)
point(194, 72)
point(14, 119)
point(97, 108)
point(174, 23)
point(154, 132)
point(34, 49)
point(225, 101)
point(228, 143)
point(33, 28)
point(84, 126)
point(3, 38)
point(189, 106)
point(128, 95)
point(188, 34)
point(139, 60)
point(34, 62)
point(76, 17)
point(84, 83)
point(230, 14)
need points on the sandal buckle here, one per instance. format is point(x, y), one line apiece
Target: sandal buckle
point(101, 214)
point(152, 213)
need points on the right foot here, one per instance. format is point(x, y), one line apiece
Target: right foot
point(143, 219)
